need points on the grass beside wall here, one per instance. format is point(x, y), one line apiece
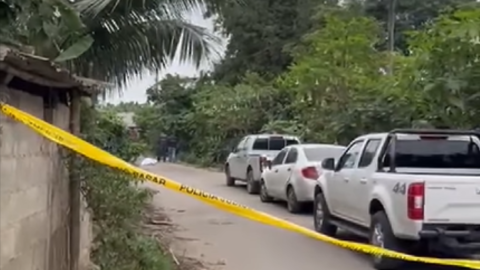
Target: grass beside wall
point(117, 208)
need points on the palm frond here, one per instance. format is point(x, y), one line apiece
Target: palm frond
point(101, 8)
point(132, 36)
point(131, 44)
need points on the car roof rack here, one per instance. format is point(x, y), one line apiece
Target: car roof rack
point(436, 131)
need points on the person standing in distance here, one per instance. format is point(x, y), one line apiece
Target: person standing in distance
point(162, 148)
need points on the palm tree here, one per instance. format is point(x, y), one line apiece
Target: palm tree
point(131, 36)
point(111, 39)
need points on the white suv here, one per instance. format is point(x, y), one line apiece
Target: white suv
point(244, 163)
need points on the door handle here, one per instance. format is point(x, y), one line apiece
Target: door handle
point(363, 180)
point(276, 170)
point(346, 179)
point(289, 169)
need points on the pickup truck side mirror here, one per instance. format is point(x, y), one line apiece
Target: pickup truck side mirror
point(265, 163)
point(268, 164)
point(328, 164)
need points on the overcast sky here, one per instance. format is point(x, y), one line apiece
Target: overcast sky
point(135, 89)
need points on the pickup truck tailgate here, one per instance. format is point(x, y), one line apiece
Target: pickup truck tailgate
point(454, 200)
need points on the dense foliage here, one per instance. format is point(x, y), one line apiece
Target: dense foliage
point(334, 87)
point(410, 15)
point(50, 28)
point(260, 33)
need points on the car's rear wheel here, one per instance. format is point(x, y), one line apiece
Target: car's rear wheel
point(381, 235)
point(230, 181)
point(253, 187)
point(293, 205)
point(322, 217)
point(264, 197)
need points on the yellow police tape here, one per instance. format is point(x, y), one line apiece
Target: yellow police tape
point(66, 139)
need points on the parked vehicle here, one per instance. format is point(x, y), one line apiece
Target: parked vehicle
point(405, 190)
point(244, 163)
point(291, 176)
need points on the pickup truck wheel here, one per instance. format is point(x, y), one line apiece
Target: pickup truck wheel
point(381, 235)
point(293, 205)
point(264, 197)
point(253, 186)
point(230, 181)
point(322, 216)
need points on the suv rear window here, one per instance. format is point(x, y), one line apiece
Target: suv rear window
point(452, 154)
point(273, 143)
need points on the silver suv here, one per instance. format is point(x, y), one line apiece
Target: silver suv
point(244, 163)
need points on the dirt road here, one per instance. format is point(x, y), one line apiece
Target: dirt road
point(228, 242)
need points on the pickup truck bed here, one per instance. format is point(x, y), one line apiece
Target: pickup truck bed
point(448, 198)
point(452, 200)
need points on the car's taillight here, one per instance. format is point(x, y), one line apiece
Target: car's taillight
point(415, 201)
point(310, 173)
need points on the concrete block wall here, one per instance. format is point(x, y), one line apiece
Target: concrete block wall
point(34, 195)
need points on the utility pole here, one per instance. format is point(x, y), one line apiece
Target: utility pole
point(391, 33)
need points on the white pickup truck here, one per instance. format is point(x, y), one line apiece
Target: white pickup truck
point(407, 191)
point(245, 162)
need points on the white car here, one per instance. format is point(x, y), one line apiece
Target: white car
point(291, 176)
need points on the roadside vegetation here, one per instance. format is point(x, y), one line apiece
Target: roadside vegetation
point(323, 72)
point(114, 200)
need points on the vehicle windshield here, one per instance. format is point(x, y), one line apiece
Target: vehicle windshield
point(321, 153)
point(276, 143)
point(436, 153)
